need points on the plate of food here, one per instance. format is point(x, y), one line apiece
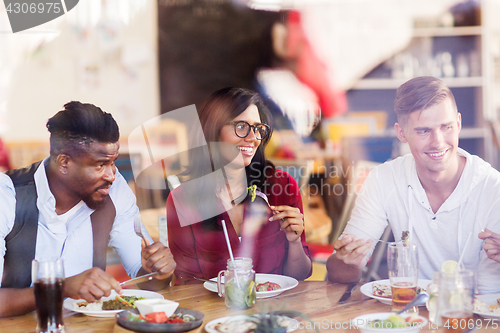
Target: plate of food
point(111, 305)
point(381, 289)
point(487, 306)
point(246, 324)
point(266, 285)
point(182, 320)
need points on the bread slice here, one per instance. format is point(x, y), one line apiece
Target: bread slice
point(381, 290)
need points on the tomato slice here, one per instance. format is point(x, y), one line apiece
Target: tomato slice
point(156, 317)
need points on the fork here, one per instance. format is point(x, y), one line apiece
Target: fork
point(138, 232)
point(264, 196)
point(138, 228)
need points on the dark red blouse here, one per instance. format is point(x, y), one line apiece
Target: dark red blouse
point(202, 252)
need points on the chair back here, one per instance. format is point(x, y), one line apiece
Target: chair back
point(162, 229)
point(356, 175)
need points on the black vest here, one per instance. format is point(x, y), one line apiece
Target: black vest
point(21, 241)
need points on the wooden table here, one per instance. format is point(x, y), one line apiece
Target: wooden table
point(319, 300)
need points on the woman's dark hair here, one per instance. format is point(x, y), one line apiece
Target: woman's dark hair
point(217, 111)
point(73, 129)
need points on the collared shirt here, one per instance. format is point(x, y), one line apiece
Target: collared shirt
point(72, 240)
point(392, 194)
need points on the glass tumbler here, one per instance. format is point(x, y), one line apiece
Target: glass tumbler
point(456, 300)
point(239, 284)
point(48, 283)
point(402, 261)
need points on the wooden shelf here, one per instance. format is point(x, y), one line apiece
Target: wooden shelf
point(452, 82)
point(473, 132)
point(451, 31)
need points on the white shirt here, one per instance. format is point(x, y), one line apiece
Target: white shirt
point(392, 193)
point(72, 240)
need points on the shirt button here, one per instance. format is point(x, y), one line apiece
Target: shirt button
point(434, 218)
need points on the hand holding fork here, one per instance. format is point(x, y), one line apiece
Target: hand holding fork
point(264, 197)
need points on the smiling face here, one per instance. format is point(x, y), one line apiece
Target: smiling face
point(432, 135)
point(247, 146)
point(91, 174)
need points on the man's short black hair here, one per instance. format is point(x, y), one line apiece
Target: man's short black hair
point(73, 129)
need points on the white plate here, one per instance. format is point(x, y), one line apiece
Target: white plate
point(366, 289)
point(490, 299)
point(210, 327)
point(285, 282)
point(69, 302)
point(361, 323)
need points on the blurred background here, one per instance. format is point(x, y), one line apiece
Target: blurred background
point(328, 69)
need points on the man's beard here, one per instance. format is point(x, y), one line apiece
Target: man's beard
point(94, 204)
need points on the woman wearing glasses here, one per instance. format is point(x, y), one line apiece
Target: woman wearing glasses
point(228, 159)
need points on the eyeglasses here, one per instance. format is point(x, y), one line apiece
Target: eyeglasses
point(242, 129)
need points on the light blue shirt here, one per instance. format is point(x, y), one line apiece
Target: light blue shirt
point(72, 240)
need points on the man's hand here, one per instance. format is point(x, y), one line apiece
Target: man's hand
point(158, 258)
point(491, 244)
point(352, 250)
point(90, 285)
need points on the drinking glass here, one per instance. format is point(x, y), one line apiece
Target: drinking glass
point(402, 261)
point(433, 302)
point(48, 282)
point(456, 300)
point(239, 283)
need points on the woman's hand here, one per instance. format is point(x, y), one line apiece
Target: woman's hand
point(291, 221)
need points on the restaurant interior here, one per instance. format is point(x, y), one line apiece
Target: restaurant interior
point(329, 68)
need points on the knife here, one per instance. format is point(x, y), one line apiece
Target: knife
point(139, 279)
point(347, 294)
point(200, 279)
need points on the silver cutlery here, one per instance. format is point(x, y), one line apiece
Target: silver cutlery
point(201, 279)
point(138, 228)
point(264, 196)
point(348, 292)
point(138, 232)
point(139, 279)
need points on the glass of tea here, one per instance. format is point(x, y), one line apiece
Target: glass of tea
point(456, 300)
point(402, 261)
point(48, 283)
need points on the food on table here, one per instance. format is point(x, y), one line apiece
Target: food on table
point(405, 237)
point(252, 190)
point(381, 290)
point(235, 326)
point(247, 325)
point(449, 266)
point(240, 295)
point(396, 321)
point(267, 286)
point(481, 306)
point(160, 318)
point(118, 303)
point(385, 290)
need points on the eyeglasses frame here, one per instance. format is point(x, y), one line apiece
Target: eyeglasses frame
point(251, 127)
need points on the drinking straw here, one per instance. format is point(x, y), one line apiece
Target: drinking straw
point(230, 252)
point(463, 252)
